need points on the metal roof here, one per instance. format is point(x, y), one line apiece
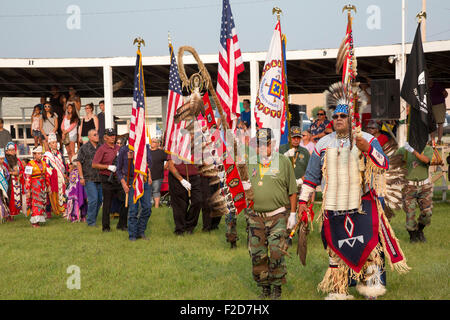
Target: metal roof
point(309, 71)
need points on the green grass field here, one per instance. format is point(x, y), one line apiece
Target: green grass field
point(34, 262)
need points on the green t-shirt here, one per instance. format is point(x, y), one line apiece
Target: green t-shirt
point(417, 170)
point(301, 159)
point(272, 191)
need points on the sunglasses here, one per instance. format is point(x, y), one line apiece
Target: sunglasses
point(321, 114)
point(342, 116)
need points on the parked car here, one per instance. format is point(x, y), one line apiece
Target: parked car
point(306, 122)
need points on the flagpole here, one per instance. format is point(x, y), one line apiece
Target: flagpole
point(278, 12)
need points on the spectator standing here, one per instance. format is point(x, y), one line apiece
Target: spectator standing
point(35, 125)
point(307, 141)
point(69, 129)
point(48, 123)
point(105, 160)
point(101, 121)
point(74, 98)
point(318, 127)
point(136, 224)
point(438, 95)
point(245, 115)
point(374, 129)
point(58, 102)
point(89, 122)
point(184, 187)
point(159, 157)
point(5, 136)
point(89, 177)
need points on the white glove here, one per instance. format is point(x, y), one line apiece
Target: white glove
point(247, 185)
point(292, 220)
point(290, 152)
point(408, 147)
point(112, 168)
point(299, 181)
point(186, 185)
point(221, 174)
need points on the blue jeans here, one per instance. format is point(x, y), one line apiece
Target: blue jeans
point(156, 188)
point(95, 199)
point(137, 225)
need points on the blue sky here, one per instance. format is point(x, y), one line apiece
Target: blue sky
point(39, 28)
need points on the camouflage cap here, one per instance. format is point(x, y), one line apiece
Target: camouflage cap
point(264, 135)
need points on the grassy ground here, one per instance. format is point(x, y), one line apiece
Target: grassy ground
point(34, 262)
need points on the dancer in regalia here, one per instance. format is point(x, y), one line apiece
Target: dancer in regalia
point(355, 230)
point(76, 195)
point(17, 181)
point(56, 168)
point(4, 184)
point(36, 183)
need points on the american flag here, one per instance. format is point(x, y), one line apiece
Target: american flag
point(138, 137)
point(230, 65)
point(176, 142)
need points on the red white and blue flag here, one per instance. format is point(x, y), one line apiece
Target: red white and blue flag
point(230, 65)
point(177, 141)
point(138, 137)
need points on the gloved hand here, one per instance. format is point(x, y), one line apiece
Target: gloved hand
point(247, 185)
point(186, 185)
point(290, 152)
point(112, 168)
point(299, 181)
point(408, 147)
point(221, 174)
point(292, 220)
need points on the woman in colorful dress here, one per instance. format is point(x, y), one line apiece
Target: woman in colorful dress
point(76, 195)
point(36, 183)
point(56, 169)
point(17, 180)
point(4, 178)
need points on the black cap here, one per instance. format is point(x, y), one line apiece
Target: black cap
point(110, 132)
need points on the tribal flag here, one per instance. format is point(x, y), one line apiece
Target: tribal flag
point(270, 107)
point(177, 141)
point(230, 65)
point(138, 137)
point(415, 93)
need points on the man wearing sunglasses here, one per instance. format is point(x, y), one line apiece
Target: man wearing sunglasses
point(353, 217)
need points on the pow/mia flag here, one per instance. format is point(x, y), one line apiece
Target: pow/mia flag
point(416, 94)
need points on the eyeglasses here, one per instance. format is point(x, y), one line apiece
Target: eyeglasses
point(342, 116)
point(321, 114)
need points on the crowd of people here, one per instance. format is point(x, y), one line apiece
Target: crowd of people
point(99, 171)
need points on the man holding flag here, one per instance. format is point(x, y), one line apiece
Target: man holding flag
point(134, 162)
point(418, 155)
point(184, 178)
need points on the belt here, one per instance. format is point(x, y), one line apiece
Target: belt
point(419, 183)
point(270, 213)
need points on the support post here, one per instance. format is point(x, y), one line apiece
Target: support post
point(254, 84)
point(108, 91)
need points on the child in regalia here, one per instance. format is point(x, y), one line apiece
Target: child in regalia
point(17, 181)
point(36, 184)
point(76, 195)
point(4, 184)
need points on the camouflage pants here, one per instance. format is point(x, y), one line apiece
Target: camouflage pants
point(423, 196)
point(267, 247)
point(230, 221)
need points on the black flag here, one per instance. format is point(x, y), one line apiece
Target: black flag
point(416, 94)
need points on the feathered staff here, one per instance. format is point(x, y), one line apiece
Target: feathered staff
point(346, 60)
